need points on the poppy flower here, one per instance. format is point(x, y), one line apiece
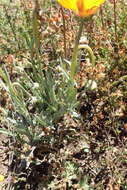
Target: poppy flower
point(82, 8)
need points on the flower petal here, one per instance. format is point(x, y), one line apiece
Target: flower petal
point(82, 7)
point(69, 4)
point(88, 7)
point(89, 4)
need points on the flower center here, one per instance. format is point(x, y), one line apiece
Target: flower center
point(80, 5)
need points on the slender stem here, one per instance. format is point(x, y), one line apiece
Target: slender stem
point(115, 22)
point(36, 26)
point(102, 16)
point(74, 56)
point(64, 32)
point(91, 54)
point(121, 79)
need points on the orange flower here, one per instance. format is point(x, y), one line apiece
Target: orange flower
point(83, 8)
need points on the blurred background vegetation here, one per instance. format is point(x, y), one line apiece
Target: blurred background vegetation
point(63, 133)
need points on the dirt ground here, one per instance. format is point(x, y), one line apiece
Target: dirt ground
point(3, 167)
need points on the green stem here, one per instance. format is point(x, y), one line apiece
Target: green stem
point(74, 56)
point(91, 54)
point(120, 80)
